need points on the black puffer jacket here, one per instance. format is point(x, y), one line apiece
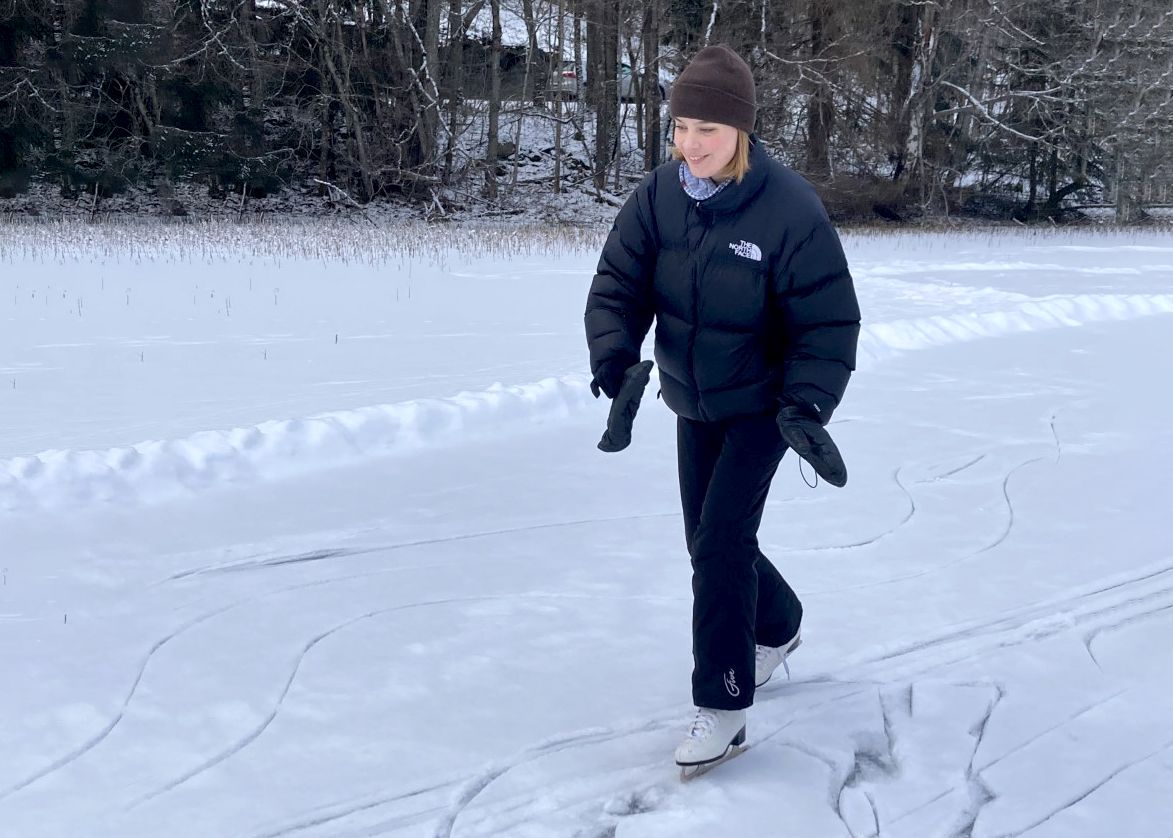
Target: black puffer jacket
point(750, 291)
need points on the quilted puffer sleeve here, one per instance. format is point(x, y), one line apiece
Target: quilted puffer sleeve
point(819, 312)
point(619, 308)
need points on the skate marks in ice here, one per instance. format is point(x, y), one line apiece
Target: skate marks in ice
point(911, 756)
point(1088, 746)
point(962, 552)
point(985, 480)
point(1085, 612)
point(605, 782)
point(151, 660)
point(944, 471)
point(408, 812)
point(325, 554)
point(1094, 751)
point(835, 756)
point(99, 736)
point(922, 491)
point(563, 782)
point(900, 758)
point(261, 561)
point(325, 630)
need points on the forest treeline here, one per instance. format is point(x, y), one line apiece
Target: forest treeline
point(1022, 108)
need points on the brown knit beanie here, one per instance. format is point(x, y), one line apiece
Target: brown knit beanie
point(716, 86)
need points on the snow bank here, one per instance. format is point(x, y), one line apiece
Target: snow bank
point(883, 340)
point(159, 470)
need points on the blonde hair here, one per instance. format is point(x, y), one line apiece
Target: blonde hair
point(737, 167)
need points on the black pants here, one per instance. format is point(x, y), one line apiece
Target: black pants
point(739, 598)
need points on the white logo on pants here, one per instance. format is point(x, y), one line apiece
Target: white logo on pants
point(731, 684)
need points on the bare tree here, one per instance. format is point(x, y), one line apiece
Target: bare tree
point(559, 51)
point(455, 85)
point(650, 88)
point(494, 103)
point(602, 82)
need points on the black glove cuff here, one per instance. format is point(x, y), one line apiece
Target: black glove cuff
point(609, 375)
point(796, 406)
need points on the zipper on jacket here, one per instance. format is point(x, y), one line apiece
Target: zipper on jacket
point(696, 304)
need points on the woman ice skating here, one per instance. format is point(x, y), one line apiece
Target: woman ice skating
point(733, 256)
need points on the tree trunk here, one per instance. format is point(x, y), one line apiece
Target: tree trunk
point(1034, 177)
point(904, 85)
point(527, 86)
point(494, 103)
point(921, 106)
point(820, 114)
point(432, 39)
point(1053, 175)
point(651, 50)
point(63, 139)
point(639, 82)
point(455, 82)
point(531, 53)
point(602, 72)
point(1129, 209)
point(324, 144)
point(558, 53)
point(333, 47)
point(429, 129)
point(579, 60)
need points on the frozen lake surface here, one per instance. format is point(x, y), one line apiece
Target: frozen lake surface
point(303, 532)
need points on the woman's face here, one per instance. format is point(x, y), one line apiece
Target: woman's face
point(707, 146)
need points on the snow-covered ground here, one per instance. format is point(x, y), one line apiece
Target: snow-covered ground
point(303, 532)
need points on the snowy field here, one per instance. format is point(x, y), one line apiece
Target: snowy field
point(303, 533)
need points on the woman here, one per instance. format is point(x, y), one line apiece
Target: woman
point(756, 317)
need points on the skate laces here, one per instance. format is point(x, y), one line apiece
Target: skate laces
point(763, 653)
point(703, 724)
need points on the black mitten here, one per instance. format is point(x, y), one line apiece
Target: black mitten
point(624, 407)
point(806, 435)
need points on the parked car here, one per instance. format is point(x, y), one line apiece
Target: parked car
point(569, 81)
point(564, 80)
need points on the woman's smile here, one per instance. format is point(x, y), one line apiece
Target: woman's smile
point(707, 146)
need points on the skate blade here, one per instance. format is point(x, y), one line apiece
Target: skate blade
point(691, 772)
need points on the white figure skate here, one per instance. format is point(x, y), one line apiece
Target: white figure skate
point(715, 736)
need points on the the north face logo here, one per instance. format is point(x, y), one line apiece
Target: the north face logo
point(747, 250)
